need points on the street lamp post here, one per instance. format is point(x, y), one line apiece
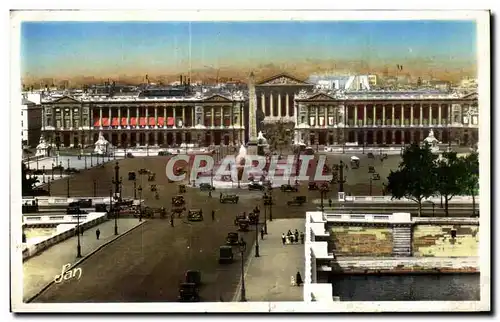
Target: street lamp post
point(52, 170)
point(265, 214)
point(48, 186)
point(271, 204)
point(85, 158)
point(95, 187)
point(135, 189)
point(341, 177)
point(117, 182)
point(243, 247)
point(140, 203)
point(67, 186)
point(43, 174)
point(371, 184)
point(68, 163)
point(257, 238)
point(60, 169)
point(91, 162)
point(78, 245)
point(113, 211)
point(322, 192)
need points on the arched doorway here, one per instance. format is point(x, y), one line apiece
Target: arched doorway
point(322, 138)
point(75, 141)
point(369, 137)
point(123, 139)
point(66, 140)
point(397, 137)
point(217, 138)
point(226, 139)
point(188, 138)
point(388, 137)
point(351, 137)
point(133, 139)
point(106, 137)
point(178, 138)
point(142, 139)
point(170, 138)
point(114, 139)
point(151, 139)
point(330, 139)
point(312, 138)
point(161, 138)
point(380, 137)
point(407, 138)
point(208, 139)
point(437, 135)
point(361, 138)
point(417, 137)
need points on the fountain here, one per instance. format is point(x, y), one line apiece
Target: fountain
point(432, 141)
point(42, 149)
point(101, 145)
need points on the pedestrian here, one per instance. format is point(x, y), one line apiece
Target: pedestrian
point(298, 279)
point(213, 215)
point(329, 202)
point(296, 236)
point(81, 231)
point(262, 233)
point(97, 233)
point(172, 221)
point(283, 238)
point(302, 236)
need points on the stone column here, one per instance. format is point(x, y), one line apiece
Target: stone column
point(355, 115)
point(128, 119)
point(147, 120)
point(316, 124)
point(326, 117)
point(271, 107)
point(192, 117)
point(119, 117)
point(393, 115)
point(374, 114)
point(109, 116)
point(184, 119)
point(439, 114)
point(175, 117)
point(383, 116)
point(430, 114)
point(402, 114)
point(384, 134)
point(174, 138)
point(421, 114)
point(287, 103)
point(222, 116)
point(156, 120)
point(212, 124)
point(263, 104)
point(137, 118)
point(364, 116)
point(279, 105)
point(156, 135)
point(411, 116)
point(100, 117)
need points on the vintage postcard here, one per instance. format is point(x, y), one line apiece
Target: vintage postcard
point(314, 161)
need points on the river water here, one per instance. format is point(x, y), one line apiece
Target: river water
point(450, 287)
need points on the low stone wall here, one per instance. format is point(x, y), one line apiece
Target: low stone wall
point(359, 241)
point(405, 265)
point(436, 240)
point(40, 247)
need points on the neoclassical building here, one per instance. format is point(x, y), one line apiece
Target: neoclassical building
point(128, 121)
point(378, 118)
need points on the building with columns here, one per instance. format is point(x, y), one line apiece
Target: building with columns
point(385, 118)
point(129, 121)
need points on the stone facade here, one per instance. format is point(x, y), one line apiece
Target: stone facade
point(361, 241)
point(436, 240)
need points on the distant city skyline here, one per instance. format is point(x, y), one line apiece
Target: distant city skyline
point(68, 49)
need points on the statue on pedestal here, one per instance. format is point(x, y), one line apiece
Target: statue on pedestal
point(42, 148)
point(432, 141)
point(101, 145)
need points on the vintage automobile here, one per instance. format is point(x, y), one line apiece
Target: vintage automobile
point(297, 201)
point(182, 188)
point(375, 176)
point(195, 215)
point(383, 156)
point(152, 177)
point(178, 200)
point(242, 216)
point(82, 203)
point(232, 239)
point(193, 276)
point(312, 186)
point(243, 224)
point(153, 188)
point(371, 169)
point(288, 188)
point(206, 187)
point(130, 155)
point(179, 171)
point(370, 155)
point(229, 198)
point(143, 171)
point(71, 171)
point(131, 176)
point(225, 254)
point(354, 162)
point(189, 292)
point(255, 186)
point(253, 218)
point(101, 207)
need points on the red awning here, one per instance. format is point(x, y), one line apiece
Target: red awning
point(170, 121)
point(152, 121)
point(114, 121)
point(142, 121)
point(105, 121)
point(97, 122)
point(133, 121)
point(124, 121)
point(161, 121)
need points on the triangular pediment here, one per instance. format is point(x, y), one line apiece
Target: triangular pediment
point(470, 96)
point(282, 79)
point(217, 98)
point(321, 97)
point(65, 100)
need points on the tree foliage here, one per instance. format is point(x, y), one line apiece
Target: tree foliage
point(450, 174)
point(26, 183)
point(470, 182)
point(415, 179)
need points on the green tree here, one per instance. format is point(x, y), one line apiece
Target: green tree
point(470, 182)
point(415, 178)
point(450, 175)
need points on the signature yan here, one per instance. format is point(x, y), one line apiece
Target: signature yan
point(67, 274)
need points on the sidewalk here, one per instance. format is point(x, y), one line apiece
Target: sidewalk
point(41, 269)
point(268, 277)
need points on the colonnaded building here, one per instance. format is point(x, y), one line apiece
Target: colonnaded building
point(166, 117)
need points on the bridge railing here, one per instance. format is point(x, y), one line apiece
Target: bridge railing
point(32, 250)
point(64, 201)
point(370, 218)
point(59, 219)
point(388, 199)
